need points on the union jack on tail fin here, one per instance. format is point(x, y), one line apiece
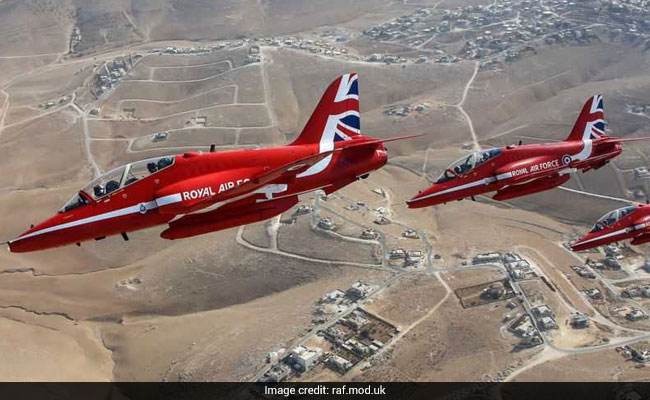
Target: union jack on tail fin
point(336, 117)
point(590, 124)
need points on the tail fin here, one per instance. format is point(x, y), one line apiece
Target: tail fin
point(591, 121)
point(336, 116)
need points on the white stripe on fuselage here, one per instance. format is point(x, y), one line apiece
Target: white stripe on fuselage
point(484, 181)
point(150, 205)
point(605, 236)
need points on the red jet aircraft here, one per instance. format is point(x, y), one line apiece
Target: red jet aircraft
point(631, 222)
point(514, 171)
point(197, 192)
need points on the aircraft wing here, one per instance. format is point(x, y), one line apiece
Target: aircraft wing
point(281, 174)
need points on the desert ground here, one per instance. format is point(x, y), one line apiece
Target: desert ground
point(215, 307)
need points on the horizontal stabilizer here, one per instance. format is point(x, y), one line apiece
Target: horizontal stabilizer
point(620, 140)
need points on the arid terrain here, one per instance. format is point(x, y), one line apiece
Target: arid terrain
point(88, 86)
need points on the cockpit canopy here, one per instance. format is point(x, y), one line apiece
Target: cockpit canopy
point(611, 217)
point(116, 179)
point(467, 163)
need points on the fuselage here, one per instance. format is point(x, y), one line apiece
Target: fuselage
point(632, 222)
point(178, 188)
point(517, 170)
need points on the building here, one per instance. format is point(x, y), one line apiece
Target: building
point(641, 173)
point(277, 373)
point(332, 296)
point(579, 321)
point(594, 293)
point(531, 341)
point(369, 234)
point(339, 363)
point(355, 321)
point(645, 291)
point(486, 258)
point(635, 315)
point(304, 358)
point(358, 290)
point(632, 291)
point(410, 234)
point(613, 251)
point(159, 136)
point(396, 254)
point(303, 209)
point(511, 257)
point(381, 220)
point(642, 356)
point(496, 290)
point(547, 323)
point(583, 272)
point(612, 263)
point(414, 257)
point(326, 223)
point(542, 311)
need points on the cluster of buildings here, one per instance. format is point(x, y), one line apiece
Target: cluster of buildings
point(357, 291)
point(608, 262)
point(75, 39)
point(544, 317)
point(110, 73)
point(404, 110)
point(412, 258)
point(351, 339)
point(314, 46)
point(338, 301)
point(510, 29)
point(356, 337)
point(518, 268)
point(186, 50)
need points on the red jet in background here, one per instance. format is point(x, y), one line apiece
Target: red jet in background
point(514, 171)
point(631, 222)
point(196, 193)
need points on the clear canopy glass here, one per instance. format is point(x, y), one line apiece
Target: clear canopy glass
point(116, 179)
point(611, 217)
point(467, 163)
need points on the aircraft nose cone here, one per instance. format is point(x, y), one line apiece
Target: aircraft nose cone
point(577, 244)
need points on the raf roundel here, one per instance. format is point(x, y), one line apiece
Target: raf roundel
point(566, 159)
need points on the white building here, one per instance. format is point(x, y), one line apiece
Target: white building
point(305, 357)
point(332, 296)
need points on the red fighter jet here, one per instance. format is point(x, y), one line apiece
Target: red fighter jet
point(514, 171)
point(197, 192)
point(631, 222)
